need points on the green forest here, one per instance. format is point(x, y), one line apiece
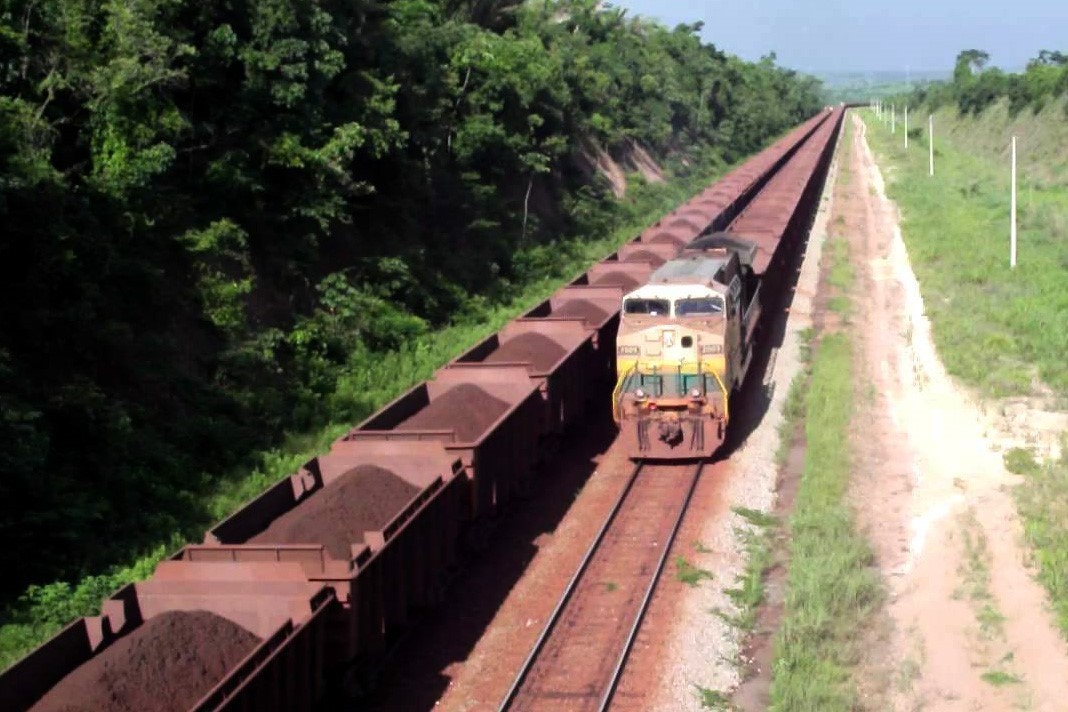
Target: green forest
point(214, 209)
point(975, 86)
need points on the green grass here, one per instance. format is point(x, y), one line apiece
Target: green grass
point(758, 543)
point(832, 587)
point(1042, 501)
point(794, 407)
point(1042, 138)
point(713, 700)
point(366, 385)
point(995, 328)
point(689, 574)
point(839, 274)
point(999, 678)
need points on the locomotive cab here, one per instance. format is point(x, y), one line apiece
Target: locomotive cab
point(681, 350)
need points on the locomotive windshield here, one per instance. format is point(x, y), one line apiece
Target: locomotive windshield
point(651, 307)
point(699, 307)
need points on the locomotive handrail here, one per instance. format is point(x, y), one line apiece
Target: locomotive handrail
point(726, 396)
point(618, 390)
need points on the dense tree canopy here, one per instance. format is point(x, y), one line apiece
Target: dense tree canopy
point(975, 86)
point(209, 205)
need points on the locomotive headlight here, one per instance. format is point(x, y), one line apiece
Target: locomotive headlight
point(695, 393)
point(711, 349)
point(627, 350)
point(639, 394)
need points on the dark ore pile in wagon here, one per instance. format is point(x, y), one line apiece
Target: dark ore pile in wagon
point(582, 309)
point(467, 409)
point(668, 238)
point(617, 279)
point(644, 256)
point(364, 499)
point(167, 663)
point(536, 349)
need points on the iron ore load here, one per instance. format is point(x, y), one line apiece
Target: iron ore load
point(309, 584)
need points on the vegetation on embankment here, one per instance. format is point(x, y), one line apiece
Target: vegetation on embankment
point(975, 86)
point(831, 587)
point(995, 328)
point(1042, 500)
point(233, 229)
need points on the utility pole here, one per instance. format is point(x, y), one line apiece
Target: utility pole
point(893, 118)
point(906, 127)
point(1012, 228)
point(930, 139)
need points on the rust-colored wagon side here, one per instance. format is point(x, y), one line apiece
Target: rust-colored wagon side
point(499, 456)
point(391, 572)
point(559, 353)
point(279, 609)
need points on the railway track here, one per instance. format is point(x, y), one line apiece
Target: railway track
point(579, 658)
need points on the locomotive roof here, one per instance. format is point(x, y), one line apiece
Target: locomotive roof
point(701, 269)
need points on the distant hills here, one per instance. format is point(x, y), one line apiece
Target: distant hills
point(862, 86)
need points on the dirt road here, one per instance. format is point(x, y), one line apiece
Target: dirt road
point(967, 628)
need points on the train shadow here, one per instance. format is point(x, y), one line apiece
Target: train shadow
point(417, 676)
point(754, 398)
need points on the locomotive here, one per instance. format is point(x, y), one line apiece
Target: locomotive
point(684, 344)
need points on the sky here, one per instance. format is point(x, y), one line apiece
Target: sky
point(862, 36)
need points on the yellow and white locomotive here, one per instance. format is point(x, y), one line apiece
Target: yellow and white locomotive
point(684, 346)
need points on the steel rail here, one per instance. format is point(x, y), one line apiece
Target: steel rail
point(576, 579)
point(617, 672)
point(554, 617)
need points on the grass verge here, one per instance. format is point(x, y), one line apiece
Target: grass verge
point(758, 543)
point(995, 328)
point(1042, 501)
point(367, 384)
point(831, 587)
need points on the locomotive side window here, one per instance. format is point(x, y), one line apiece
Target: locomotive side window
point(652, 307)
point(699, 307)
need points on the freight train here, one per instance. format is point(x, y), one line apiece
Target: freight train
point(309, 583)
point(687, 335)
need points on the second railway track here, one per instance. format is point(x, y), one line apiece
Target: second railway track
point(579, 658)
